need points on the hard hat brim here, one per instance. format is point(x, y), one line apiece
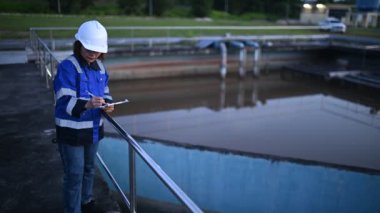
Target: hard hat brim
point(95, 48)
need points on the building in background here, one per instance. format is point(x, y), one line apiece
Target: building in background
point(313, 12)
point(366, 13)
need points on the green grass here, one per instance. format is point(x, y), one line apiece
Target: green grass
point(16, 26)
point(371, 32)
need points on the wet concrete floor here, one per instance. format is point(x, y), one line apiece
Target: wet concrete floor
point(30, 167)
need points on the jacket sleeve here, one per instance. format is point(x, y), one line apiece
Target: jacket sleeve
point(65, 88)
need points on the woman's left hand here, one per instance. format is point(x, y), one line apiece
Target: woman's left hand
point(109, 108)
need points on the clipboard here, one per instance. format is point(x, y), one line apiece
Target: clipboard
point(109, 104)
point(114, 103)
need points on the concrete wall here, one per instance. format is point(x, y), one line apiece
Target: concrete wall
point(150, 67)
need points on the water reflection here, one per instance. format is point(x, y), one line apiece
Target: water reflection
point(152, 95)
point(221, 182)
point(290, 119)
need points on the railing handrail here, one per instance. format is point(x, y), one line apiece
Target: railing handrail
point(154, 166)
point(266, 27)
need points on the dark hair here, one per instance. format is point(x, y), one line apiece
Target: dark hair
point(77, 47)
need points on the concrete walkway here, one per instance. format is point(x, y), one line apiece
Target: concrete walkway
point(13, 57)
point(30, 168)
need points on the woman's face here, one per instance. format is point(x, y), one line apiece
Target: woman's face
point(89, 55)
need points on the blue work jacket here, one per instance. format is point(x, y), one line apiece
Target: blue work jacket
point(76, 81)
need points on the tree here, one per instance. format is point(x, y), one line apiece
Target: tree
point(220, 5)
point(160, 6)
point(71, 6)
point(132, 7)
point(24, 6)
point(238, 7)
point(201, 8)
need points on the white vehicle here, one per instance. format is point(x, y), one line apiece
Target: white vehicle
point(332, 25)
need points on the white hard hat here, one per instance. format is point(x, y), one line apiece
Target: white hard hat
point(93, 36)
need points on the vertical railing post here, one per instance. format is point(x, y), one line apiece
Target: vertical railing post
point(48, 74)
point(38, 53)
point(52, 66)
point(167, 39)
point(43, 67)
point(132, 41)
point(31, 37)
point(41, 59)
point(132, 180)
point(52, 42)
point(47, 78)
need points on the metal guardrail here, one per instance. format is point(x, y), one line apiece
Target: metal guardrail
point(45, 59)
point(131, 36)
point(165, 34)
point(47, 63)
point(169, 28)
point(133, 145)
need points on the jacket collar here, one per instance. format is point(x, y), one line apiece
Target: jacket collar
point(83, 63)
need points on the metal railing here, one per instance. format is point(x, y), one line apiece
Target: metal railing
point(168, 30)
point(47, 63)
point(44, 58)
point(133, 36)
point(134, 147)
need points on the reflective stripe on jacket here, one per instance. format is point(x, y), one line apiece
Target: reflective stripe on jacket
point(73, 84)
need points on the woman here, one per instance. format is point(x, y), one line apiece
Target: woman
point(81, 89)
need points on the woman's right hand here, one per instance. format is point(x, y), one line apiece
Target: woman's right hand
point(95, 102)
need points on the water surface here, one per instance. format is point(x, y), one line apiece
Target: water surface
point(274, 144)
point(287, 118)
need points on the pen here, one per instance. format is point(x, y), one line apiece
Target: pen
point(92, 95)
point(109, 104)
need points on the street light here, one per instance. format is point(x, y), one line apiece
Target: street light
point(321, 6)
point(307, 6)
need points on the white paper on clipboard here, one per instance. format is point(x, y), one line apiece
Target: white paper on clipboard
point(114, 103)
